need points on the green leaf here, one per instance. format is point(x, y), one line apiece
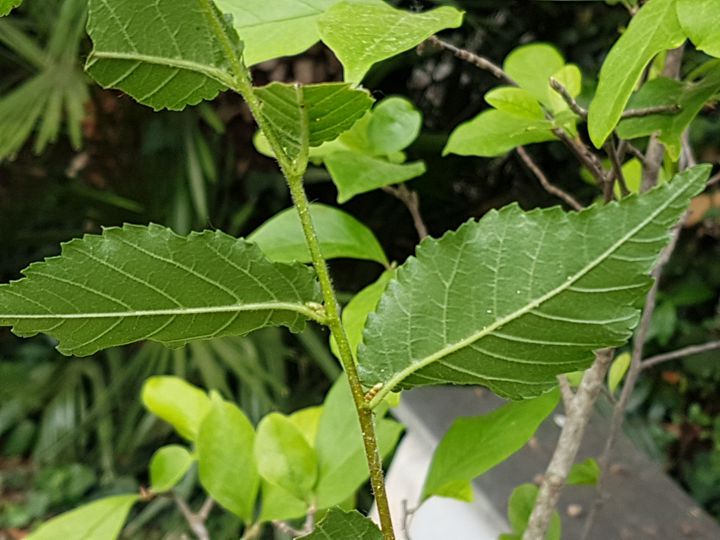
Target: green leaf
point(355, 173)
point(342, 465)
point(474, 445)
point(167, 467)
point(284, 456)
point(307, 116)
point(586, 473)
point(516, 102)
point(341, 236)
point(531, 67)
point(357, 310)
point(278, 28)
point(393, 125)
point(361, 35)
point(99, 520)
point(653, 30)
point(136, 283)
point(6, 6)
point(520, 505)
point(617, 371)
point(177, 402)
point(338, 524)
point(226, 460)
point(280, 504)
point(165, 54)
point(691, 97)
point(699, 20)
point(493, 133)
point(503, 302)
point(307, 421)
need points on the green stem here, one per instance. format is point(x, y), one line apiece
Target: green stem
point(293, 172)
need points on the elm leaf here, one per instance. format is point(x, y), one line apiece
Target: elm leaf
point(502, 302)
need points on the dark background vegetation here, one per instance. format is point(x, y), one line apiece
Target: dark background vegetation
point(73, 429)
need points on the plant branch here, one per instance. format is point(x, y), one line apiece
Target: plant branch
point(648, 111)
point(565, 94)
point(542, 177)
point(293, 171)
point(412, 201)
point(568, 445)
point(566, 392)
point(680, 353)
point(196, 522)
point(612, 152)
point(471, 58)
point(714, 180)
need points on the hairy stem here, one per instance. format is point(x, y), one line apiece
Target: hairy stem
point(293, 172)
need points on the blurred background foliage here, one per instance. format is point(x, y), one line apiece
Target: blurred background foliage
point(74, 158)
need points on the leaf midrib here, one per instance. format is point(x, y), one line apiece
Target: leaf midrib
point(447, 350)
point(230, 308)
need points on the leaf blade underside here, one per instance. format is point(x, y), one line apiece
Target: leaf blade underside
point(136, 283)
point(504, 302)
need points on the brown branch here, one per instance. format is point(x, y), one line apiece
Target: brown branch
point(648, 111)
point(471, 58)
point(566, 392)
point(680, 353)
point(634, 150)
point(196, 522)
point(571, 436)
point(549, 186)
point(714, 180)
point(612, 152)
point(574, 106)
point(412, 201)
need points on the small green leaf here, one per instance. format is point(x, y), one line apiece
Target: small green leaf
point(689, 96)
point(699, 20)
point(167, 467)
point(305, 116)
point(586, 473)
point(357, 310)
point(355, 173)
point(307, 421)
point(178, 403)
point(139, 283)
point(617, 371)
point(362, 35)
point(284, 457)
point(226, 460)
point(493, 133)
point(531, 67)
point(474, 445)
point(341, 236)
point(99, 520)
point(502, 302)
point(520, 506)
point(394, 124)
point(515, 101)
point(6, 6)
point(280, 504)
point(338, 524)
point(342, 465)
point(653, 30)
point(165, 54)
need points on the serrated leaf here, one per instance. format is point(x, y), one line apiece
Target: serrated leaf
point(699, 20)
point(177, 402)
point(474, 445)
point(226, 462)
point(284, 456)
point(355, 173)
point(357, 310)
point(136, 283)
point(338, 524)
point(281, 238)
point(617, 371)
point(690, 96)
point(586, 473)
point(503, 302)
point(342, 465)
point(493, 133)
point(361, 35)
point(167, 467)
point(278, 28)
point(6, 6)
point(99, 520)
point(165, 54)
point(654, 29)
point(305, 116)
